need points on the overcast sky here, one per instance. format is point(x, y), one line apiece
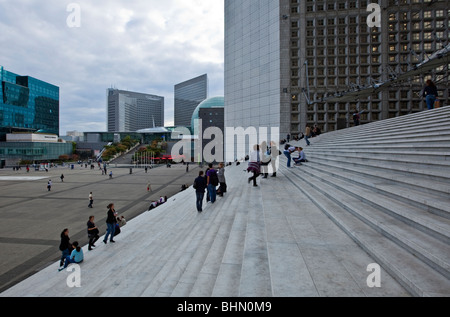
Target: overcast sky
point(146, 46)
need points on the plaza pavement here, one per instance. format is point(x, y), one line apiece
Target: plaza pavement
point(33, 218)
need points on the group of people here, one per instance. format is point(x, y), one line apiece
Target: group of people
point(310, 132)
point(213, 181)
point(289, 150)
point(260, 158)
point(162, 200)
point(73, 253)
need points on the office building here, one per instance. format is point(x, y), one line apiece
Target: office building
point(131, 111)
point(279, 54)
point(188, 95)
point(27, 104)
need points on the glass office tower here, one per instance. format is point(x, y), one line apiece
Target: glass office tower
point(132, 111)
point(188, 95)
point(27, 104)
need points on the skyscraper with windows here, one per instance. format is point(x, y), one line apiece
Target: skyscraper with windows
point(280, 54)
point(188, 95)
point(132, 111)
point(27, 104)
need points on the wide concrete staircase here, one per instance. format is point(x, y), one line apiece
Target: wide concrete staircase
point(387, 185)
point(384, 186)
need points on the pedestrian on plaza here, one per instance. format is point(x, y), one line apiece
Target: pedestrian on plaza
point(222, 182)
point(62, 178)
point(75, 257)
point(254, 165)
point(149, 187)
point(49, 185)
point(200, 186)
point(212, 180)
point(430, 94)
point(91, 200)
point(93, 233)
point(187, 167)
point(64, 246)
point(111, 223)
point(110, 175)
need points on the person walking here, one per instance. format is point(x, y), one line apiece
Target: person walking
point(62, 178)
point(49, 185)
point(307, 135)
point(110, 223)
point(430, 94)
point(222, 181)
point(64, 246)
point(200, 186)
point(149, 187)
point(265, 159)
point(274, 154)
point(91, 200)
point(93, 233)
point(212, 180)
point(254, 165)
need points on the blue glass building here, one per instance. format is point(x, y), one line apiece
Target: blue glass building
point(27, 104)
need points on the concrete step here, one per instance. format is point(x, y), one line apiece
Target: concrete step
point(207, 277)
point(218, 230)
point(417, 119)
point(430, 249)
point(407, 129)
point(432, 158)
point(430, 196)
point(425, 172)
point(410, 271)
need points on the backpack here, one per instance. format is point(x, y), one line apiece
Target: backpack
point(214, 179)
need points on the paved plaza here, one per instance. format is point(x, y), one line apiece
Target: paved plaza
point(33, 217)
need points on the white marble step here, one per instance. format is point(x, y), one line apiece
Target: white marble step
point(432, 251)
point(406, 129)
point(428, 195)
point(418, 119)
point(433, 224)
point(412, 158)
point(406, 268)
point(425, 172)
point(218, 230)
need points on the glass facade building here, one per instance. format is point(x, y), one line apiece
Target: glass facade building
point(27, 104)
point(188, 95)
point(132, 111)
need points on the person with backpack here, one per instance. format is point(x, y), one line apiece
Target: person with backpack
point(200, 186)
point(212, 180)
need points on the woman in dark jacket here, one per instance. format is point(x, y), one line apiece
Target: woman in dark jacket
point(111, 224)
point(65, 246)
point(93, 232)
